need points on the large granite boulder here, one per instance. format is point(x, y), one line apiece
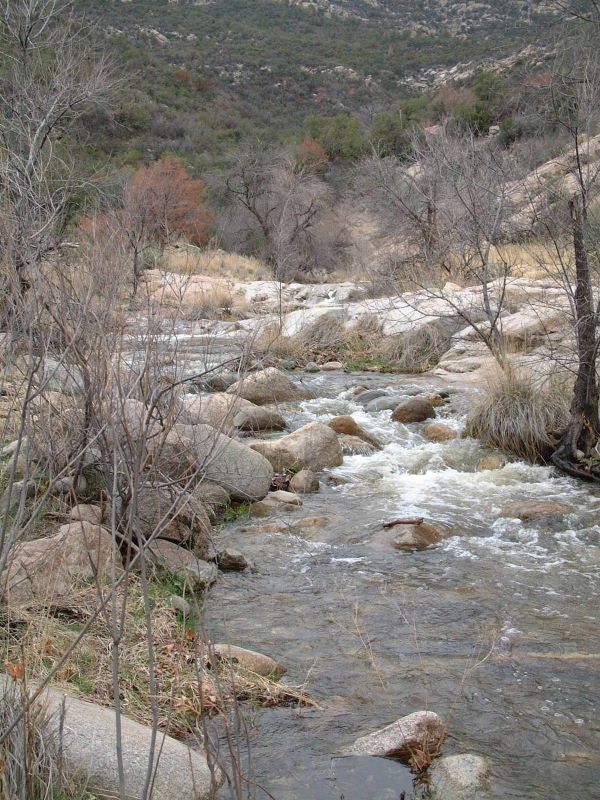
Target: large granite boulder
point(45, 571)
point(88, 751)
point(268, 386)
point(314, 446)
point(244, 473)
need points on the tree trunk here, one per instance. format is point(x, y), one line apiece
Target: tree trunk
point(583, 430)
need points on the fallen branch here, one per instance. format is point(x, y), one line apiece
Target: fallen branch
point(395, 522)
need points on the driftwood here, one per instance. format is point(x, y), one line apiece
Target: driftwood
point(395, 522)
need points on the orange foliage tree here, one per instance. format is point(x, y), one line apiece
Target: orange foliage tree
point(161, 203)
point(311, 154)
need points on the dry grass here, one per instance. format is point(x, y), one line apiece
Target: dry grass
point(187, 686)
point(519, 417)
point(189, 260)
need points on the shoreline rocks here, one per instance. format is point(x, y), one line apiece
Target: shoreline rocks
point(414, 739)
point(415, 409)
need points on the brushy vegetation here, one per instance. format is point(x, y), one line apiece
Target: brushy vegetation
point(189, 685)
point(520, 417)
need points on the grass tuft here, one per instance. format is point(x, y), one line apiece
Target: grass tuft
point(520, 417)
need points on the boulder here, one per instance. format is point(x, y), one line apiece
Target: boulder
point(418, 537)
point(88, 752)
point(229, 560)
point(348, 425)
point(216, 409)
point(276, 501)
point(331, 366)
point(312, 366)
point(460, 777)
point(304, 482)
point(438, 432)
point(255, 662)
point(530, 510)
point(179, 604)
point(46, 570)
point(268, 386)
point(87, 513)
point(386, 403)
point(355, 446)
point(219, 382)
point(172, 514)
point(370, 394)
point(259, 418)
point(169, 557)
point(243, 472)
point(314, 446)
point(414, 739)
point(281, 496)
point(416, 409)
point(212, 496)
point(436, 400)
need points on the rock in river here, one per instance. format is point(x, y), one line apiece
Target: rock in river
point(416, 409)
point(460, 777)
point(268, 386)
point(414, 739)
point(314, 446)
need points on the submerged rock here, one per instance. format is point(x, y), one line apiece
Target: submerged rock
point(530, 510)
point(490, 463)
point(414, 739)
point(416, 409)
point(355, 446)
point(438, 432)
point(418, 537)
point(251, 660)
point(460, 777)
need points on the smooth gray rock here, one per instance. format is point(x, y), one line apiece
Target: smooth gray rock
point(259, 418)
point(422, 731)
point(370, 394)
point(89, 752)
point(387, 403)
point(268, 386)
point(244, 473)
point(460, 777)
point(314, 446)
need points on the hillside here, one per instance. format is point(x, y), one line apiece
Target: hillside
point(208, 75)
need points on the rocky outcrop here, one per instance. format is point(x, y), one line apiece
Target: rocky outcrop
point(414, 739)
point(314, 446)
point(415, 409)
point(45, 571)
point(88, 752)
point(268, 386)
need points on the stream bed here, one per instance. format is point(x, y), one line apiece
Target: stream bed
point(495, 629)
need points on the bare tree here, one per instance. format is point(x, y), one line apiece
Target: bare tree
point(53, 73)
point(445, 213)
point(284, 204)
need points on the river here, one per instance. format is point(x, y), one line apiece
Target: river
point(495, 629)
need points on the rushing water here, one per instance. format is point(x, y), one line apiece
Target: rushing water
point(495, 629)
